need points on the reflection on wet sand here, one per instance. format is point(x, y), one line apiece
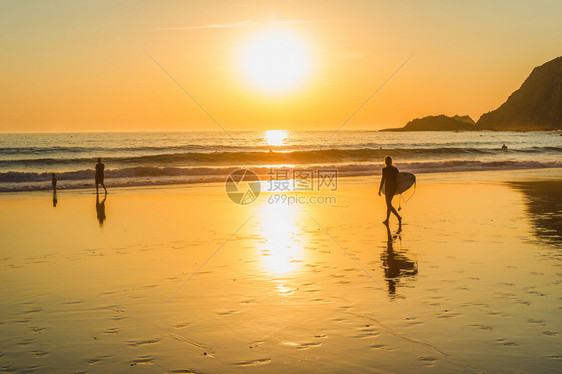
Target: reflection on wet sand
point(543, 202)
point(100, 208)
point(281, 247)
point(55, 200)
point(395, 263)
point(281, 295)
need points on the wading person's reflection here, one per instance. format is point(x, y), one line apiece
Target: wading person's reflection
point(395, 264)
point(100, 208)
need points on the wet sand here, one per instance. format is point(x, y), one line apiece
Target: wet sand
point(471, 283)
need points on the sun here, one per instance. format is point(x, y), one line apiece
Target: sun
point(276, 61)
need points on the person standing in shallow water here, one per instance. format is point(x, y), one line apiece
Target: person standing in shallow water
point(99, 175)
point(389, 174)
point(54, 183)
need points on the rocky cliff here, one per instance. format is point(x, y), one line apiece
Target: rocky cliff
point(537, 105)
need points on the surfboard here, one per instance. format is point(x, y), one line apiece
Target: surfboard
point(403, 182)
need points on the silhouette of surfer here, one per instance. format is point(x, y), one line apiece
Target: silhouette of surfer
point(100, 175)
point(100, 208)
point(395, 264)
point(504, 147)
point(389, 174)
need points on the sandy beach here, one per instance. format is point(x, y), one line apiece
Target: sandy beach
point(471, 282)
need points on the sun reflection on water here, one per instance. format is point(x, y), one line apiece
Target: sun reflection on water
point(275, 138)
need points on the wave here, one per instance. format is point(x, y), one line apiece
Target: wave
point(230, 158)
point(104, 150)
point(142, 176)
point(132, 172)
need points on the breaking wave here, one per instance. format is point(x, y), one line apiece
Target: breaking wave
point(156, 175)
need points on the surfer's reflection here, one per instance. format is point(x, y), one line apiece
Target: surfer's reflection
point(55, 200)
point(395, 263)
point(100, 208)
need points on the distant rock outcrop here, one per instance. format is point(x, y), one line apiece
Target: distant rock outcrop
point(439, 123)
point(465, 119)
point(537, 105)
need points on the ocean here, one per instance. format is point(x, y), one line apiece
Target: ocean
point(159, 158)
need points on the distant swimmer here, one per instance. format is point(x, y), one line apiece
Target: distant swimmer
point(100, 175)
point(504, 147)
point(389, 174)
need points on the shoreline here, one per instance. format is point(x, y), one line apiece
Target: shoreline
point(467, 176)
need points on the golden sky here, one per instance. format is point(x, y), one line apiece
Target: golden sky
point(87, 66)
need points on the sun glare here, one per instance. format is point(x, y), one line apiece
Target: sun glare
point(276, 61)
point(275, 138)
